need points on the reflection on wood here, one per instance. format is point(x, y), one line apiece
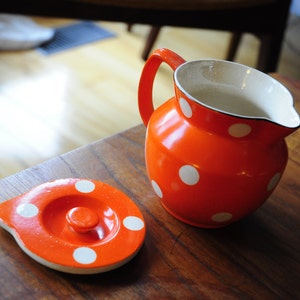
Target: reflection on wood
point(53, 104)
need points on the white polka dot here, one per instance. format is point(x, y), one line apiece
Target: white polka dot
point(27, 210)
point(133, 223)
point(222, 217)
point(189, 175)
point(273, 182)
point(157, 189)
point(84, 255)
point(84, 186)
point(239, 130)
point(185, 108)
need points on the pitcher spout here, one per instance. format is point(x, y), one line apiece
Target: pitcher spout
point(278, 111)
point(279, 128)
point(280, 132)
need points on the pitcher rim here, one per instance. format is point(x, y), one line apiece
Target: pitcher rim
point(291, 101)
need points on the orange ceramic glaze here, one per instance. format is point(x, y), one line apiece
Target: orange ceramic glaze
point(215, 151)
point(82, 219)
point(75, 225)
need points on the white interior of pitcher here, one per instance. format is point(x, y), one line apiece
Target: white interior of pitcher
point(238, 90)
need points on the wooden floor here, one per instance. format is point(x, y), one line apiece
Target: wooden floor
point(53, 104)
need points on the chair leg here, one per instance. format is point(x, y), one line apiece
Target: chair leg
point(269, 52)
point(154, 31)
point(233, 45)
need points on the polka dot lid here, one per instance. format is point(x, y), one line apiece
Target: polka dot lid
point(75, 225)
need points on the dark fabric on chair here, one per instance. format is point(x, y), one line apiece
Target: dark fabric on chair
point(264, 18)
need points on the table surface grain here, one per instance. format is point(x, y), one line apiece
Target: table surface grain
point(256, 258)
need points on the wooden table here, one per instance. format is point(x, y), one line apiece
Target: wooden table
point(256, 258)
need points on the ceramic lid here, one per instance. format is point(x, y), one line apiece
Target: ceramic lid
point(75, 225)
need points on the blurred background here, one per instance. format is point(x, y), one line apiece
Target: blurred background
point(51, 104)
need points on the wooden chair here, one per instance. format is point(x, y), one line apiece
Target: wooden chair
point(266, 19)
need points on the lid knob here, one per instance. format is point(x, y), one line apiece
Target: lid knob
point(82, 219)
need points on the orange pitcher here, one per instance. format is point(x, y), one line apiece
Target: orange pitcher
point(216, 150)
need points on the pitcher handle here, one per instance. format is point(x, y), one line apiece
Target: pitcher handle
point(145, 90)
